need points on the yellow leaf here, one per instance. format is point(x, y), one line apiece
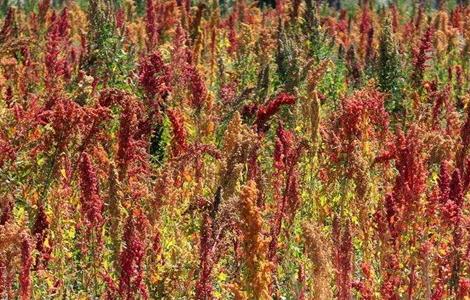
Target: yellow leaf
point(222, 276)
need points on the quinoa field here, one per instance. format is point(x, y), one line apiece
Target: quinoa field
point(235, 149)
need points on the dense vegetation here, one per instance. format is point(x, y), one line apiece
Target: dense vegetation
point(170, 149)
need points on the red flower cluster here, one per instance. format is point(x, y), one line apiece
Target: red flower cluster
point(92, 204)
point(206, 259)
point(26, 261)
point(286, 185)
point(150, 25)
point(342, 258)
point(132, 256)
point(56, 40)
point(197, 87)
point(40, 232)
point(266, 111)
point(422, 55)
point(154, 76)
point(179, 133)
point(126, 143)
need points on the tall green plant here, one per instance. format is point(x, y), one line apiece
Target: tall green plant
point(389, 72)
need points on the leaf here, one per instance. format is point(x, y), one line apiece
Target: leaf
point(222, 277)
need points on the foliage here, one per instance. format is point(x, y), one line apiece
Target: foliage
point(173, 149)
